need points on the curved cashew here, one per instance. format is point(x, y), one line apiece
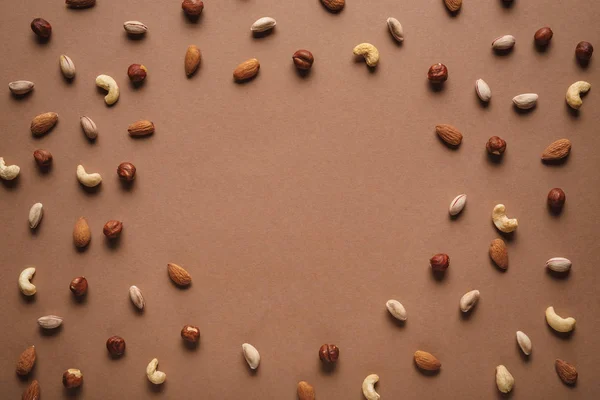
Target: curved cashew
point(154, 376)
point(469, 300)
point(108, 83)
point(558, 323)
point(396, 309)
point(574, 93)
point(89, 180)
point(502, 222)
point(369, 52)
point(8, 172)
point(251, 355)
point(504, 379)
point(27, 288)
point(368, 387)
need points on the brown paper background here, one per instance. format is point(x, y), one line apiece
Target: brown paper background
point(300, 205)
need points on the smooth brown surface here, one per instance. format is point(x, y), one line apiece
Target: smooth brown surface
point(300, 203)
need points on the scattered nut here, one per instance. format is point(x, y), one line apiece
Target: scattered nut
point(303, 59)
point(27, 288)
point(453, 5)
point(305, 391)
point(80, 3)
point(8, 172)
point(42, 123)
point(190, 333)
point(79, 286)
point(137, 73)
point(396, 309)
point(89, 127)
point(368, 387)
point(88, 180)
point(499, 253)
point(525, 101)
point(566, 372)
point(334, 5)
point(584, 51)
point(35, 215)
point(524, 343)
point(542, 36)
point(440, 262)
point(263, 24)
point(108, 83)
point(504, 380)
point(369, 52)
point(32, 392)
point(41, 28)
point(67, 66)
point(395, 29)
point(135, 28)
point(155, 376)
point(192, 8)
point(50, 321)
point(438, 73)
point(20, 88)
point(246, 70)
point(115, 346)
point(72, 378)
point(559, 264)
point(179, 275)
point(26, 361)
point(43, 158)
point(449, 134)
point(112, 229)
point(251, 355)
point(469, 300)
point(496, 146)
point(502, 222)
point(141, 128)
point(329, 353)
point(427, 361)
point(483, 90)
point(573, 96)
point(457, 205)
point(558, 323)
point(126, 171)
point(193, 57)
point(135, 294)
point(81, 233)
point(504, 43)
point(557, 150)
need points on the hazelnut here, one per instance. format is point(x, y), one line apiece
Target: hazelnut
point(126, 171)
point(303, 59)
point(112, 229)
point(41, 28)
point(584, 51)
point(72, 378)
point(542, 36)
point(556, 200)
point(496, 145)
point(137, 73)
point(192, 8)
point(190, 333)
point(440, 262)
point(115, 345)
point(79, 286)
point(438, 73)
point(43, 158)
point(329, 353)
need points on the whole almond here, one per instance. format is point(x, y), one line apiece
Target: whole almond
point(525, 101)
point(559, 264)
point(32, 392)
point(89, 127)
point(42, 123)
point(81, 233)
point(179, 275)
point(566, 372)
point(135, 294)
point(50, 321)
point(499, 253)
point(504, 43)
point(305, 391)
point(334, 5)
point(453, 5)
point(20, 87)
point(67, 66)
point(26, 361)
point(80, 3)
point(141, 128)
point(246, 70)
point(557, 150)
point(449, 134)
point(427, 361)
point(135, 27)
point(192, 59)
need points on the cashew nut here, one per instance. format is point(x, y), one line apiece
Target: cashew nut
point(89, 180)
point(251, 355)
point(574, 93)
point(154, 376)
point(368, 387)
point(558, 323)
point(27, 288)
point(469, 300)
point(108, 83)
point(8, 172)
point(502, 222)
point(369, 52)
point(396, 309)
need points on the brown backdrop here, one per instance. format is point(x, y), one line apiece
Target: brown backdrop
point(301, 204)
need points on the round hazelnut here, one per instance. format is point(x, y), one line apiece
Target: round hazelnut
point(126, 171)
point(584, 51)
point(303, 59)
point(440, 262)
point(190, 333)
point(137, 73)
point(72, 378)
point(43, 158)
point(496, 145)
point(112, 229)
point(79, 286)
point(556, 200)
point(438, 73)
point(115, 346)
point(542, 36)
point(41, 28)
point(329, 353)
point(192, 8)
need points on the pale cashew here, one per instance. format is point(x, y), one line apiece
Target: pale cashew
point(35, 215)
point(368, 387)
point(574, 93)
point(154, 376)
point(8, 172)
point(369, 52)
point(27, 288)
point(558, 323)
point(108, 83)
point(469, 300)
point(502, 222)
point(396, 309)
point(251, 355)
point(89, 180)
point(504, 379)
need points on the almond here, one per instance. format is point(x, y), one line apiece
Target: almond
point(81, 233)
point(427, 361)
point(192, 59)
point(453, 5)
point(26, 361)
point(449, 134)
point(557, 150)
point(80, 3)
point(499, 253)
point(566, 372)
point(305, 391)
point(43, 123)
point(141, 128)
point(334, 5)
point(179, 275)
point(246, 70)
point(32, 392)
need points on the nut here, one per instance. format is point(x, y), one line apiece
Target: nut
point(449, 134)
point(483, 90)
point(457, 205)
point(135, 294)
point(559, 264)
point(8, 172)
point(126, 171)
point(329, 353)
point(179, 275)
point(496, 146)
point(574, 91)
point(502, 222)
point(155, 376)
point(251, 355)
point(246, 70)
point(305, 391)
point(437, 73)
point(137, 73)
point(112, 229)
point(35, 215)
point(439, 262)
point(81, 233)
point(524, 343)
point(453, 5)
point(190, 333)
point(566, 372)
point(303, 59)
point(557, 150)
point(135, 27)
point(26, 361)
point(542, 36)
point(88, 180)
point(115, 346)
point(79, 286)
point(108, 83)
point(469, 300)
point(41, 28)
point(80, 3)
point(504, 43)
point(50, 321)
point(141, 128)
point(334, 5)
point(27, 288)
point(193, 57)
point(67, 66)
point(43, 158)
point(499, 253)
point(89, 127)
point(19, 88)
point(584, 51)
point(192, 8)
point(558, 323)
point(369, 52)
point(72, 378)
point(504, 380)
point(556, 199)
point(427, 361)
point(32, 392)
point(396, 309)
point(525, 101)
point(263, 24)
point(395, 29)
point(368, 387)
point(43, 123)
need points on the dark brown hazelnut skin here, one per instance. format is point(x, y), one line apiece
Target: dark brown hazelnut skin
point(556, 200)
point(303, 59)
point(41, 28)
point(137, 73)
point(496, 146)
point(584, 51)
point(190, 333)
point(542, 36)
point(112, 229)
point(79, 286)
point(438, 73)
point(72, 378)
point(43, 158)
point(115, 346)
point(126, 171)
point(329, 353)
point(440, 262)
point(192, 8)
